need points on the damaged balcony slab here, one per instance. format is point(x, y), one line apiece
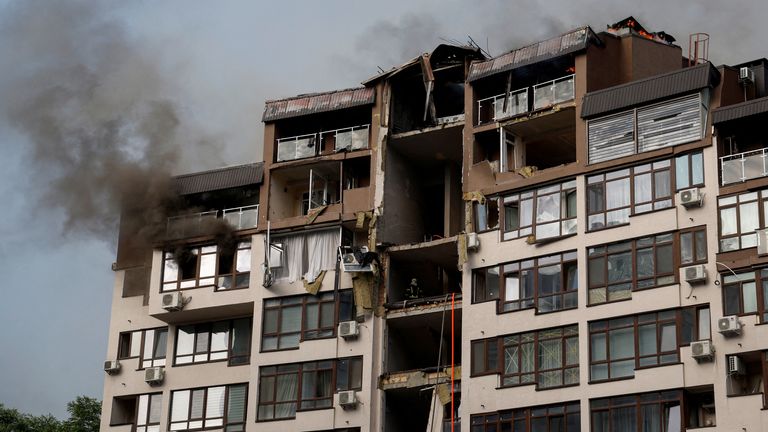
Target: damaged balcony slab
point(418, 378)
point(441, 251)
point(442, 142)
point(422, 305)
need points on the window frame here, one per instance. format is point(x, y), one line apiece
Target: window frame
point(637, 401)
point(565, 188)
point(147, 423)
point(198, 329)
point(760, 279)
point(216, 279)
point(525, 417)
point(761, 199)
point(155, 360)
point(695, 241)
point(485, 208)
point(688, 157)
point(224, 419)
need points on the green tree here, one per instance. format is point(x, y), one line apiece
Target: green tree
point(84, 415)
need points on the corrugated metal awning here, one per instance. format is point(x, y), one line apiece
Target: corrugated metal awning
point(650, 89)
point(222, 178)
point(317, 103)
point(574, 40)
point(739, 110)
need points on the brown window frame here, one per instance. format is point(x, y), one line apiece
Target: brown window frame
point(698, 236)
point(760, 278)
point(564, 189)
point(225, 423)
point(136, 427)
point(723, 203)
point(598, 253)
point(299, 369)
point(304, 302)
point(207, 328)
point(688, 157)
point(155, 360)
point(630, 174)
point(637, 401)
point(525, 418)
point(566, 294)
point(218, 279)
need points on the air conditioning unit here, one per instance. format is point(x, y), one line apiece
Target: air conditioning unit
point(173, 301)
point(690, 197)
point(702, 350)
point(735, 365)
point(473, 241)
point(694, 274)
point(357, 259)
point(154, 375)
point(111, 367)
point(762, 241)
point(729, 326)
point(746, 74)
point(348, 329)
point(348, 399)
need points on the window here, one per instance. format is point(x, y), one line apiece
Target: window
point(305, 255)
point(740, 216)
point(693, 246)
point(658, 411)
point(286, 389)
point(149, 344)
point(487, 215)
point(140, 411)
point(548, 283)
point(746, 294)
point(290, 320)
point(689, 170)
point(616, 269)
point(612, 197)
point(548, 358)
point(619, 346)
point(223, 340)
point(749, 378)
point(211, 265)
point(551, 418)
point(209, 408)
point(546, 212)
point(665, 124)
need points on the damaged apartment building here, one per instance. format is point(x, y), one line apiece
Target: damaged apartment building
point(570, 236)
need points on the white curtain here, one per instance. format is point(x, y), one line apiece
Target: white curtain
point(294, 251)
point(321, 253)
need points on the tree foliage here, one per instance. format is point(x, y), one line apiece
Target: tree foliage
point(84, 416)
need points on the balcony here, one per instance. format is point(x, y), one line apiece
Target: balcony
point(191, 225)
point(311, 145)
point(544, 95)
point(745, 166)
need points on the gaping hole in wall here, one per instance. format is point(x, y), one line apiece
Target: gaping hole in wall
point(700, 407)
point(538, 143)
point(298, 190)
point(423, 272)
point(524, 90)
point(742, 148)
point(423, 342)
point(123, 410)
point(415, 402)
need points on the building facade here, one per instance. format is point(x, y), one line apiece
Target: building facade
point(570, 236)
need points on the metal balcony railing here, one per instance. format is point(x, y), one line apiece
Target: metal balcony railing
point(310, 145)
point(194, 224)
point(544, 95)
point(745, 166)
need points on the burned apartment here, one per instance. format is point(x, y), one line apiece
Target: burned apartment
point(569, 236)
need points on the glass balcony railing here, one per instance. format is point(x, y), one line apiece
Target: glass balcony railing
point(745, 166)
point(310, 145)
point(544, 95)
point(195, 224)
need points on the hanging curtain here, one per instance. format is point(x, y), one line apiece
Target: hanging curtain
point(294, 258)
point(287, 391)
point(321, 253)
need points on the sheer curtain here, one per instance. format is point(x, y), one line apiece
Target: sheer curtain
point(321, 253)
point(294, 258)
point(287, 391)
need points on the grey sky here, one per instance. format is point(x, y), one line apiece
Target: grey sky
point(217, 62)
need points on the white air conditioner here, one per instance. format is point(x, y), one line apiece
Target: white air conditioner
point(111, 367)
point(762, 241)
point(154, 375)
point(735, 365)
point(702, 350)
point(695, 273)
point(746, 74)
point(348, 329)
point(690, 197)
point(473, 241)
point(729, 325)
point(173, 301)
point(348, 399)
point(351, 259)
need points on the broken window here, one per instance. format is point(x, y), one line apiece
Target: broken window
point(149, 345)
point(658, 411)
point(305, 255)
point(289, 320)
point(548, 283)
point(211, 265)
point(297, 147)
point(544, 213)
point(548, 358)
point(550, 418)
point(209, 407)
point(745, 373)
point(224, 340)
point(487, 215)
point(287, 388)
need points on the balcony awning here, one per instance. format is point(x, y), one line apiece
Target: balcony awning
point(222, 178)
point(317, 102)
point(740, 110)
point(570, 42)
point(651, 89)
